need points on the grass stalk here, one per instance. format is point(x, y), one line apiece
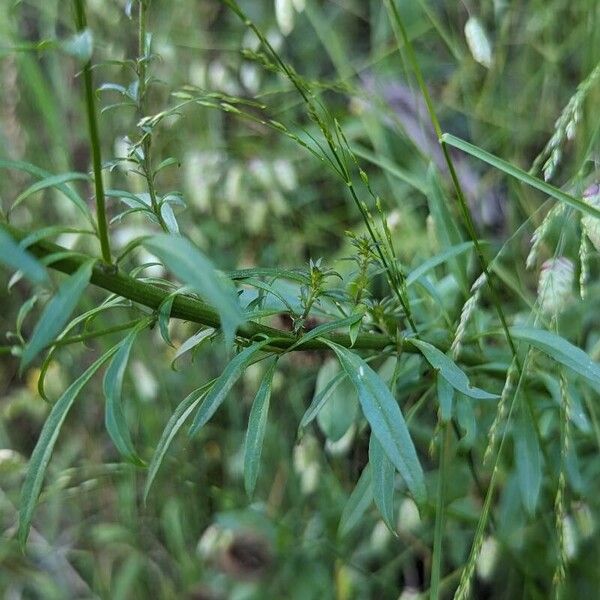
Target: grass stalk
point(463, 206)
point(440, 514)
point(90, 104)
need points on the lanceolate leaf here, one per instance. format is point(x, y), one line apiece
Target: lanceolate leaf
point(357, 504)
point(192, 342)
point(12, 255)
point(164, 314)
point(560, 350)
point(178, 418)
point(257, 425)
point(45, 175)
point(320, 399)
point(113, 385)
point(450, 371)
point(528, 459)
point(383, 414)
point(193, 268)
point(57, 312)
point(223, 384)
point(326, 328)
point(382, 481)
point(42, 452)
point(52, 181)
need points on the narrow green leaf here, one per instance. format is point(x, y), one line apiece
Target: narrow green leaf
point(57, 312)
point(223, 384)
point(339, 411)
point(326, 328)
point(382, 481)
point(465, 416)
point(85, 317)
point(445, 394)
point(178, 418)
point(357, 504)
point(56, 181)
point(192, 342)
point(320, 398)
point(383, 414)
point(164, 313)
point(560, 350)
point(447, 232)
point(13, 256)
point(42, 452)
point(450, 371)
point(26, 167)
point(114, 419)
point(437, 260)
point(166, 211)
point(528, 459)
point(257, 425)
point(521, 175)
point(194, 269)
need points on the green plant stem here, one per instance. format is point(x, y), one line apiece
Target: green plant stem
point(90, 335)
point(440, 508)
point(186, 307)
point(464, 208)
point(196, 311)
point(90, 102)
point(142, 89)
point(341, 168)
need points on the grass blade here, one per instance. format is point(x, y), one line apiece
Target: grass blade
point(528, 459)
point(521, 175)
point(561, 351)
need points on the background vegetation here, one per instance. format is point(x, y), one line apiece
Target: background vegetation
point(512, 504)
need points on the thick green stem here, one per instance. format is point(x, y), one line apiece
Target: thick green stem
point(90, 102)
point(186, 307)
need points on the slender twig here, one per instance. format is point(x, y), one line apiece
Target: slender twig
point(143, 58)
point(463, 206)
point(90, 102)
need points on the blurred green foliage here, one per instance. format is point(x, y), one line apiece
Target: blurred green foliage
point(254, 197)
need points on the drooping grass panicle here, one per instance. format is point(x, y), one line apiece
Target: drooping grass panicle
point(555, 285)
point(466, 313)
point(590, 225)
point(565, 128)
point(584, 266)
point(501, 409)
point(559, 576)
point(541, 232)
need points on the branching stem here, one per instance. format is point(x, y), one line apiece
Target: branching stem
point(90, 103)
